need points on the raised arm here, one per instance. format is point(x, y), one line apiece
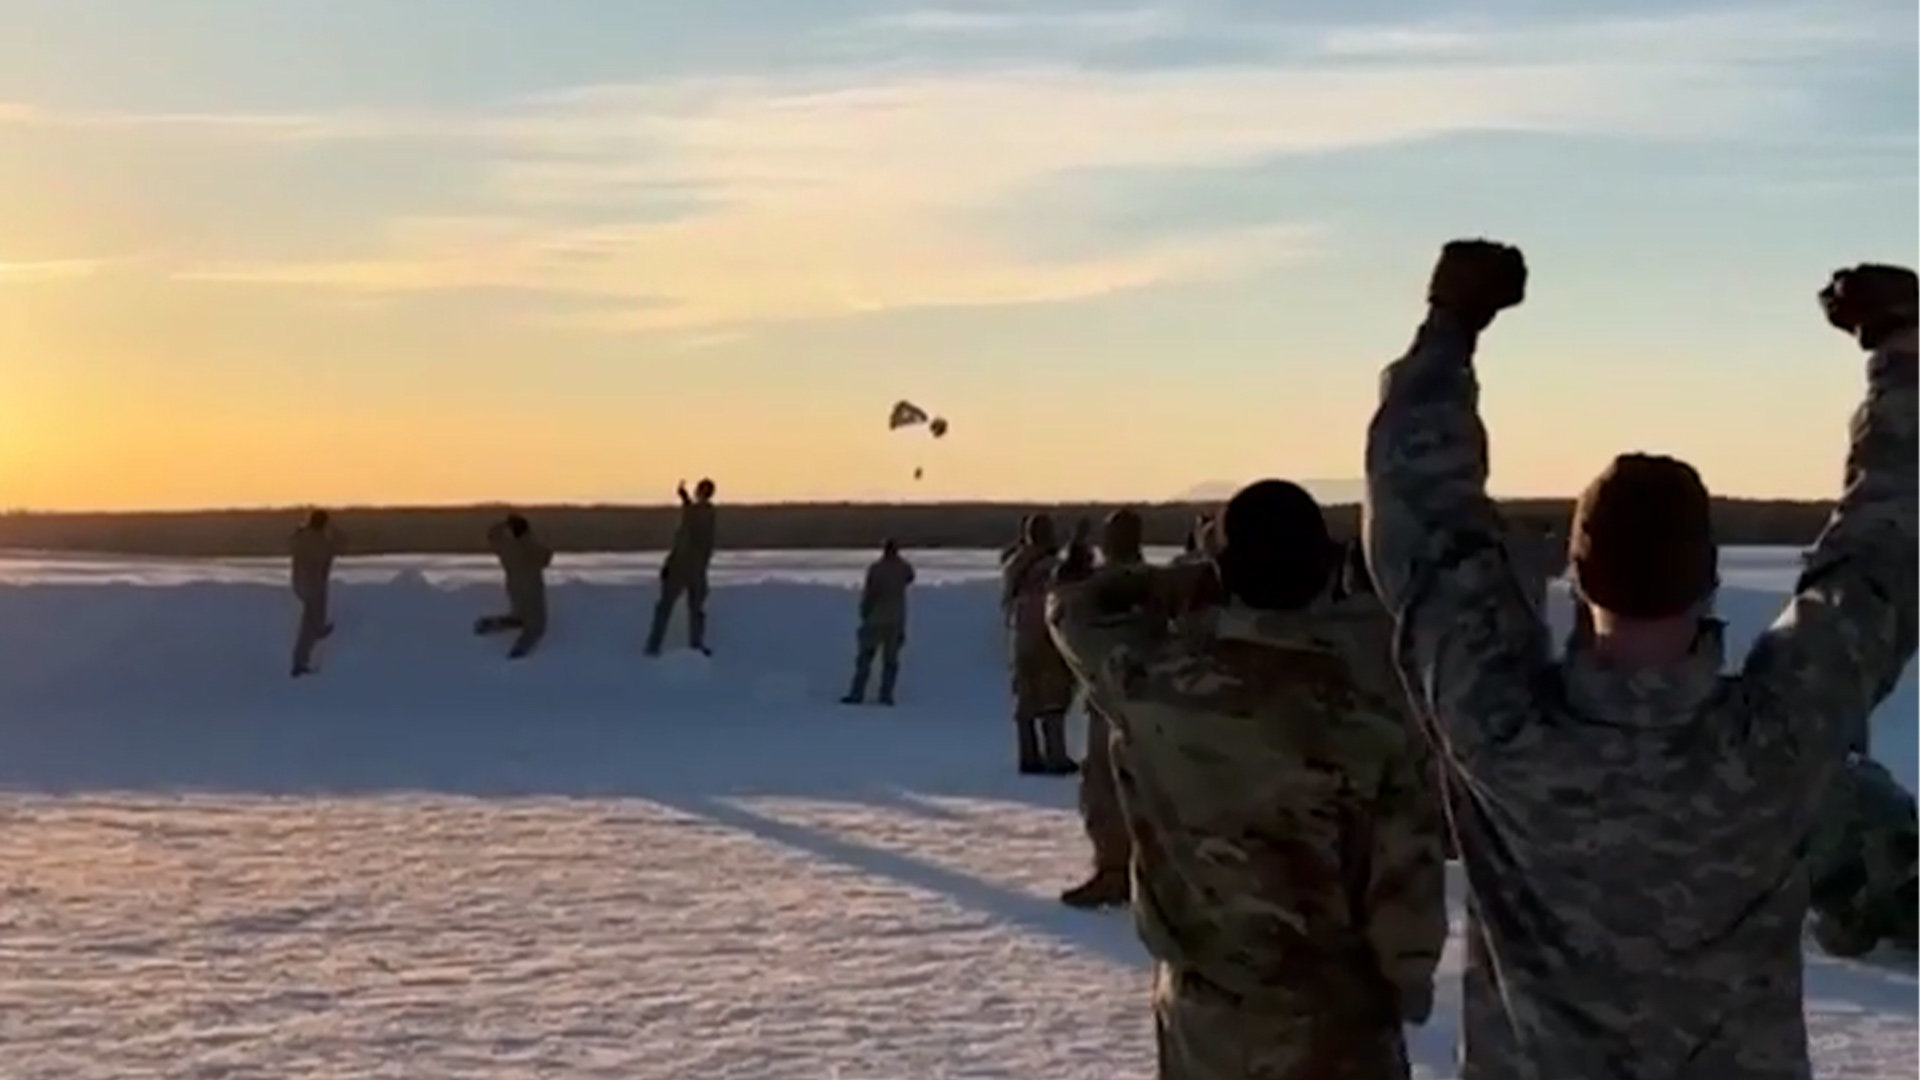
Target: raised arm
point(1849, 630)
point(1468, 643)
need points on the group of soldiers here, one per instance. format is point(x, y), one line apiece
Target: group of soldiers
point(1294, 734)
point(1289, 736)
point(524, 559)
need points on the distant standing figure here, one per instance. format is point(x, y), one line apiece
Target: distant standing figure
point(1121, 544)
point(315, 545)
point(1043, 685)
point(524, 560)
point(685, 571)
point(883, 624)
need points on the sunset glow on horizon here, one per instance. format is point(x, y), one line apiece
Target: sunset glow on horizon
point(393, 253)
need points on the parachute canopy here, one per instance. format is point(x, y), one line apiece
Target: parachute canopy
point(906, 414)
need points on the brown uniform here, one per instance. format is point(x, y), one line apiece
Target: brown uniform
point(524, 560)
point(1043, 684)
point(883, 625)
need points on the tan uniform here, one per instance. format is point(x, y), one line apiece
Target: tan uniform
point(883, 625)
point(313, 552)
point(1043, 684)
point(524, 560)
point(1100, 811)
point(1288, 880)
point(684, 574)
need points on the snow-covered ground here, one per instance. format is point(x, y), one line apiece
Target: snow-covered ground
point(428, 862)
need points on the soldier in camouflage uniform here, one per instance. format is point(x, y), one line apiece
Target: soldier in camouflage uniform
point(883, 624)
point(523, 560)
point(1121, 542)
point(1861, 862)
point(1632, 821)
point(315, 545)
point(1043, 685)
point(684, 573)
point(1287, 873)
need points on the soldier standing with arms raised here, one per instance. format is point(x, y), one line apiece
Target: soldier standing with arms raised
point(1632, 822)
point(685, 571)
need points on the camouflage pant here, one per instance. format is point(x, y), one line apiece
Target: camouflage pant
point(886, 641)
point(313, 627)
point(1043, 684)
point(1100, 808)
point(1207, 1033)
point(675, 584)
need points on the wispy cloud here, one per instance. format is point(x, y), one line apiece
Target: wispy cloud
point(696, 204)
point(48, 270)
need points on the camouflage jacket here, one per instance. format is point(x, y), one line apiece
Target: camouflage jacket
point(1633, 839)
point(524, 559)
point(1024, 578)
point(883, 599)
point(313, 553)
point(693, 539)
point(1282, 850)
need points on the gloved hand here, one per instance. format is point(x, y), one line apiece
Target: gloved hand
point(1477, 279)
point(1871, 301)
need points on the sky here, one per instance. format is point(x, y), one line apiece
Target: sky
point(407, 251)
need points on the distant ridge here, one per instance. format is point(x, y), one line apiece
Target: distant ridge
point(793, 526)
point(1327, 492)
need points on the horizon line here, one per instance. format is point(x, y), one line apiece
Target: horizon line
point(760, 504)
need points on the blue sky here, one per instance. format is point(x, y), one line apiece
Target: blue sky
point(393, 251)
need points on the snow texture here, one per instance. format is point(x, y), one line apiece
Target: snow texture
point(430, 862)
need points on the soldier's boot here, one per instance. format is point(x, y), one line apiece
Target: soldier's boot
point(889, 675)
point(1109, 887)
point(697, 628)
point(1029, 737)
point(657, 634)
point(1054, 756)
point(862, 667)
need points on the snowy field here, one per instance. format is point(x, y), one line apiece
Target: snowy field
point(429, 863)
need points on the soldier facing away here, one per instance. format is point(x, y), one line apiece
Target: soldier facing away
point(1121, 543)
point(684, 573)
point(1043, 685)
point(1287, 873)
point(1631, 820)
point(883, 624)
point(524, 560)
point(314, 547)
